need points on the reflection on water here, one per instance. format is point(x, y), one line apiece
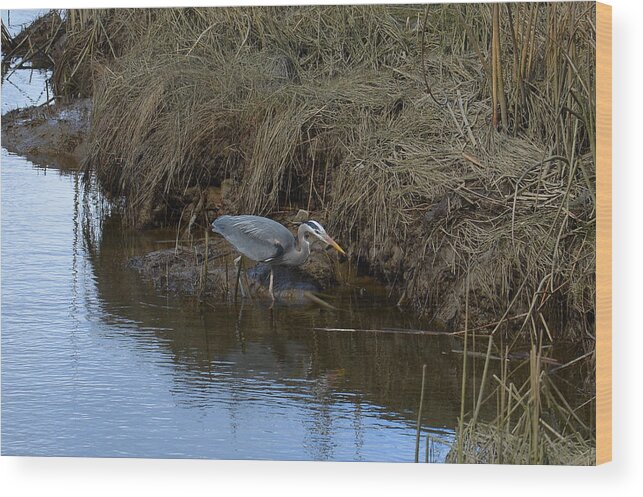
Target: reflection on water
point(23, 87)
point(96, 363)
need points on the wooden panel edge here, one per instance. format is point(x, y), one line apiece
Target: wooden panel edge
point(603, 233)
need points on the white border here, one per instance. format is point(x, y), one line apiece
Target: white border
point(111, 477)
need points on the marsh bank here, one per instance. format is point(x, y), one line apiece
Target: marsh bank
point(328, 110)
point(383, 122)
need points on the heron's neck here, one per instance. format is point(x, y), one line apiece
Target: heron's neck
point(300, 256)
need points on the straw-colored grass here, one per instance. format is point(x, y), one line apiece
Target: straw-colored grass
point(535, 422)
point(450, 148)
point(433, 142)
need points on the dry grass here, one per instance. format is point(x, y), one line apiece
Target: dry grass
point(535, 422)
point(451, 148)
point(35, 45)
point(338, 109)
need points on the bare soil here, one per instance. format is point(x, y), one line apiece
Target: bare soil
point(183, 270)
point(53, 134)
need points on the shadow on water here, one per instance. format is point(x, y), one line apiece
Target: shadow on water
point(281, 346)
point(154, 375)
point(280, 343)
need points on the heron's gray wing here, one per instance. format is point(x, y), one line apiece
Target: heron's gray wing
point(258, 238)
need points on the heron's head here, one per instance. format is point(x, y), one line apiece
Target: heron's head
point(317, 230)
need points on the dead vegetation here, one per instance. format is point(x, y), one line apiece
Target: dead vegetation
point(35, 45)
point(449, 148)
point(535, 423)
point(435, 142)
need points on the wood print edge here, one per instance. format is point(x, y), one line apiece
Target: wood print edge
point(603, 233)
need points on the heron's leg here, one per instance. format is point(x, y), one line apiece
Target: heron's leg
point(270, 288)
point(239, 284)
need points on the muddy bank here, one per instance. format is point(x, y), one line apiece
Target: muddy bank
point(54, 134)
point(210, 272)
point(439, 198)
point(57, 134)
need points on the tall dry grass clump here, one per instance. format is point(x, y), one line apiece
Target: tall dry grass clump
point(437, 141)
point(535, 422)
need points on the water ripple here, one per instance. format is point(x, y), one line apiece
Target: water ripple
point(96, 363)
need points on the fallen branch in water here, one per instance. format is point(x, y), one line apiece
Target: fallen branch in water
point(386, 330)
point(318, 301)
point(489, 325)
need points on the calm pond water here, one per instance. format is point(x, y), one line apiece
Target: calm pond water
point(95, 362)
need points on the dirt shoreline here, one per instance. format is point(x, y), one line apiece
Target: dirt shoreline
point(58, 135)
point(183, 270)
point(438, 201)
point(55, 134)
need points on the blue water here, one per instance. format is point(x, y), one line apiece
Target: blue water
point(23, 87)
point(89, 369)
point(96, 362)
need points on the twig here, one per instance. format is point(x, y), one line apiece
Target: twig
point(321, 302)
point(419, 422)
point(199, 38)
point(471, 159)
point(464, 370)
point(574, 361)
point(385, 330)
point(426, 81)
point(489, 325)
point(472, 138)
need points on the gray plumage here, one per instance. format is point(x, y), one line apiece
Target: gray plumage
point(264, 240)
point(258, 238)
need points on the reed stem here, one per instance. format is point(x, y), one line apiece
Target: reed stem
point(419, 421)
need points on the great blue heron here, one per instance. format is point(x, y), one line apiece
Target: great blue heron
point(264, 240)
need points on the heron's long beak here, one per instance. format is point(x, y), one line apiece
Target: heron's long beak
point(334, 244)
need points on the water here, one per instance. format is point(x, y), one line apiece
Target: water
point(24, 87)
point(96, 362)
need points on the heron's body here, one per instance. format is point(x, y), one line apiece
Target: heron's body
point(264, 240)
